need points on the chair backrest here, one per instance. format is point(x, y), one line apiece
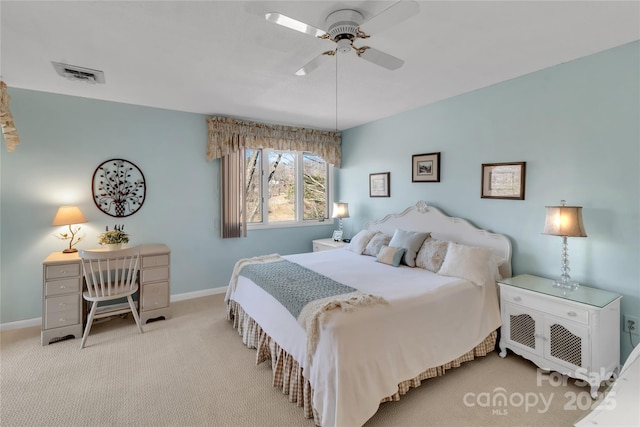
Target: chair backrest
point(110, 273)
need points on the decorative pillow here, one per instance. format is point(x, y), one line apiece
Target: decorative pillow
point(411, 241)
point(390, 255)
point(376, 243)
point(360, 241)
point(432, 254)
point(495, 262)
point(466, 262)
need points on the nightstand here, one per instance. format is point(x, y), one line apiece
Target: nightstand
point(576, 333)
point(327, 244)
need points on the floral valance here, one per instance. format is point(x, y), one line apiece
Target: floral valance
point(9, 130)
point(227, 135)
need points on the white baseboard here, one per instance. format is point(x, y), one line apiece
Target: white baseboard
point(21, 324)
point(198, 294)
point(178, 297)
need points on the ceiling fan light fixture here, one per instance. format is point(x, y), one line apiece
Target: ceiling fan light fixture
point(344, 45)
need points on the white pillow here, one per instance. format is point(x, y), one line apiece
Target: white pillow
point(466, 262)
point(411, 241)
point(495, 262)
point(359, 241)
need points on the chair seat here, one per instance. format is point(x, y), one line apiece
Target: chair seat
point(118, 294)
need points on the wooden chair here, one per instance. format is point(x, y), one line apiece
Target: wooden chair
point(110, 275)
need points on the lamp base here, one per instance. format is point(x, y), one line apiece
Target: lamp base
point(69, 251)
point(566, 285)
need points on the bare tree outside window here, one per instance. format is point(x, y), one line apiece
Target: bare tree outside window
point(279, 170)
point(253, 191)
point(315, 187)
point(282, 185)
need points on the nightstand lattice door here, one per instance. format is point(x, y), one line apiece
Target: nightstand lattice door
point(565, 345)
point(522, 329)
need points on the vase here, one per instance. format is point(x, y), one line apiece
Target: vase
point(114, 246)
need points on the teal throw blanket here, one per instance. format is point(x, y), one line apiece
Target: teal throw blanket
point(293, 285)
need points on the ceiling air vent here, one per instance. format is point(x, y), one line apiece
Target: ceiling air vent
point(73, 72)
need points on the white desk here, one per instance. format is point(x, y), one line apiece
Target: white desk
point(62, 285)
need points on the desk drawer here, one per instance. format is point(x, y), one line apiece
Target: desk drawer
point(546, 305)
point(62, 311)
point(155, 261)
point(155, 296)
point(155, 274)
point(62, 270)
point(60, 287)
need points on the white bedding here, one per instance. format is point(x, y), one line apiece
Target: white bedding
point(362, 356)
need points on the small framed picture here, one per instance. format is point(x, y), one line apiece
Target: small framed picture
point(337, 235)
point(503, 180)
point(379, 184)
point(425, 167)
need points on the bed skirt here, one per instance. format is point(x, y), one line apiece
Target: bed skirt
point(287, 373)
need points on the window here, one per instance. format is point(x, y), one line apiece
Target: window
point(286, 187)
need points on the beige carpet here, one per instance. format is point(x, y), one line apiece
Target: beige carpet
point(193, 370)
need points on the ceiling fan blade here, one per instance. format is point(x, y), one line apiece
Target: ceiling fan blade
point(391, 16)
point(314, 63)
point(380, 58)
point(294, 24)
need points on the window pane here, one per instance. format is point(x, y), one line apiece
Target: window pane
point(282, 186)
point(253, 169)
point(315, 187)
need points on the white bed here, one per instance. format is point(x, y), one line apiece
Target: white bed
point(429, 323)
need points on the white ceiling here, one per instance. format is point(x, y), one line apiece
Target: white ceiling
point(215, 57)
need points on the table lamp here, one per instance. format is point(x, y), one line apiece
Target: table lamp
point(69, 215)
point(564, 221)
point(340, 210)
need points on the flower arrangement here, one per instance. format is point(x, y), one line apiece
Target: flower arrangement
point(115, 236)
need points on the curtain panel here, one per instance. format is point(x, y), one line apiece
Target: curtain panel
point(228, 135)
point(233, 216)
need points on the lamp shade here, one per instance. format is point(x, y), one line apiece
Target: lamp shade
point(564, 221)
point(340, 210)
point(68, 215)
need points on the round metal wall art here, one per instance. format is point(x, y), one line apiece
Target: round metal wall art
point(118, 188)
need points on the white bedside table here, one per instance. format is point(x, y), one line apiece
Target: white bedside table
point(327, 244)
point(576, 333)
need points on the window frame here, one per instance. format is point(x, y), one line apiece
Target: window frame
point(299, 192)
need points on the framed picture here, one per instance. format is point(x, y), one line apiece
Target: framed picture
point(425, 167)
point(379, 184)
point(503, 180)
point(337, 235)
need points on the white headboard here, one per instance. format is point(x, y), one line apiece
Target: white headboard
point(427, 218)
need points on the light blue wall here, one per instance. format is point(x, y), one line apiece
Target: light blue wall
point(64, 139)
point(577, 125)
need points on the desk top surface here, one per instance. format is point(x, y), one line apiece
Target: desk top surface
point(60, 257)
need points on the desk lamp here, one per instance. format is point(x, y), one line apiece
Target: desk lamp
point(68, 215)
point(564, 221)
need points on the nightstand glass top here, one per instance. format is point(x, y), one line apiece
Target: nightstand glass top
point(583, 294)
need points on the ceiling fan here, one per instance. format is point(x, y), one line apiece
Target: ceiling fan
point(344, 27)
